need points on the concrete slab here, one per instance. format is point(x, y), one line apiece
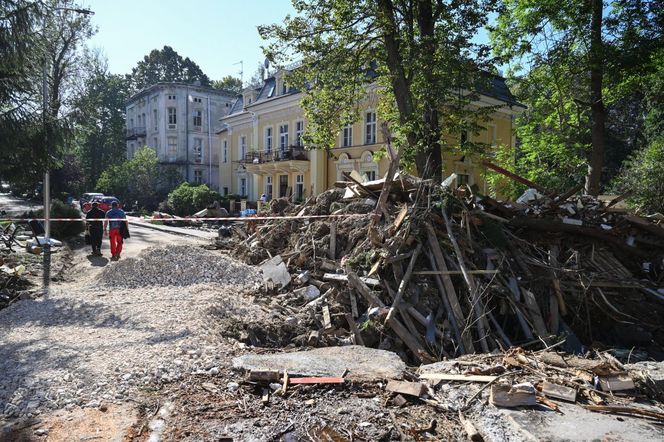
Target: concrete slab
point(575, 424)
point(275, 270)
point(362, 363)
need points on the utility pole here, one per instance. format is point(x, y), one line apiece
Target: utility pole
point(46, 185)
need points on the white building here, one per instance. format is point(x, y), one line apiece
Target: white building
point(178, 121)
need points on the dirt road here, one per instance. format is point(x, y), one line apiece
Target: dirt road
point(77, 362)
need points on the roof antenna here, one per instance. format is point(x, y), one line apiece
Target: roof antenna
point(241, 63)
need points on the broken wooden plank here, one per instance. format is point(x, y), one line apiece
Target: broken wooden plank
point(520, 395)
point(616, 382)
point(327, 321)
point(448, 309)
point(457, 377)
point(401, 216)
point(456, 272)
point(354, 329)
point(353, 304)
point(404, 282)
point(477, 305)
point(551, 226)
point(415, 389)
point(619, 409)
point(265, 376)
point(553, 261)
point(333, 240)
point(534, 312)
point(514, 176)
point(411, 342)
point(559, 391)
point(446, 287)
point(469, 428)
point(360, 285)
point(317, 380)
point(344, 278)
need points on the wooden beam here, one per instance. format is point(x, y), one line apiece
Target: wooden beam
point(514, 176)
point(448, 288)
point(404, 282)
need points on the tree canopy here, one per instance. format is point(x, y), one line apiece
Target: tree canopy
point(579, 67)
point(228, 83)
point(422, 53)
point(100, 119)
point(166, 65)
point(37, 40)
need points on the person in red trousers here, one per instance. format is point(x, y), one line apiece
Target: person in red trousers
point(114, 233)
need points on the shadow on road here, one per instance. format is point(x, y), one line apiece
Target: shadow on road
point(97, 261)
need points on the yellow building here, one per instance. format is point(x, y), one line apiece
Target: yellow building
point(262, 153)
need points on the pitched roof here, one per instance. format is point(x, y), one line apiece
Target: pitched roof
point(238, 105)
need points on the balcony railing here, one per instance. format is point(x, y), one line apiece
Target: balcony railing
point(278, 154)
point(135, 132)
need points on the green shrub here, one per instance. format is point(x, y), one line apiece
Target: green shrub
point(642, 175)
point(187, 199)
point(63, 229)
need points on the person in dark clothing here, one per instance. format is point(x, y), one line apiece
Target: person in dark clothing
point(96, 228)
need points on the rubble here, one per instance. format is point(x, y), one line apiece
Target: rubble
point(176, 265)
point(435, 272)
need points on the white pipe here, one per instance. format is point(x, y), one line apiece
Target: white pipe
point(209, 142)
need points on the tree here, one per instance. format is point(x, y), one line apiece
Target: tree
point(37, 35)
point(228, 83)
point(166, 65)
point(100, 119)
point(428, 67)
point(602, 50)
point(140, 179)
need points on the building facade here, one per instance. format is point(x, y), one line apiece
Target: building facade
point(261, 148)
point(179, 122)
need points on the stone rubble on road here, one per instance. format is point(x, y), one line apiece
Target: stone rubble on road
point(131, 326)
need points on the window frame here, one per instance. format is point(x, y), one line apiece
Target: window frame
point(268, 139)
point(347, 136)
point(283, 137)
point(172, 148)
point(198, 176)
point(172, 117)
point(370, 127)
point(198, 150)
point(299, 132)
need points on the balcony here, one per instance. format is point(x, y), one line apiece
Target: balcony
point(291, 159)
point(135, 132)
point(289, 154)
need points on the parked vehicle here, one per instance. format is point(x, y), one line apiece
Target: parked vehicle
point(103, 202)
point(86, 197)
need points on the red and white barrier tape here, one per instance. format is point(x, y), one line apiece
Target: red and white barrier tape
point(229, 218)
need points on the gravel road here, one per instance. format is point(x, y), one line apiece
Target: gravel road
point(116, 330)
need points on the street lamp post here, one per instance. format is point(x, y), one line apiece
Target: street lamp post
point(46, 186)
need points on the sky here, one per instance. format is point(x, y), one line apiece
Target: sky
point(215, 34)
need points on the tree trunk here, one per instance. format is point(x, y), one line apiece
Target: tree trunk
point(429, 161)
point(395, 63)
point(597, 104)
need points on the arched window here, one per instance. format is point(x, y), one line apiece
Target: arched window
point(344, 164)
point(368, 167)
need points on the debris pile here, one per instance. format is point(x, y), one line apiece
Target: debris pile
point(431, 272)
point(175, 265)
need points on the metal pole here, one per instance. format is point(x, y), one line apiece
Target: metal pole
point(46, 185)
point(209, 143)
